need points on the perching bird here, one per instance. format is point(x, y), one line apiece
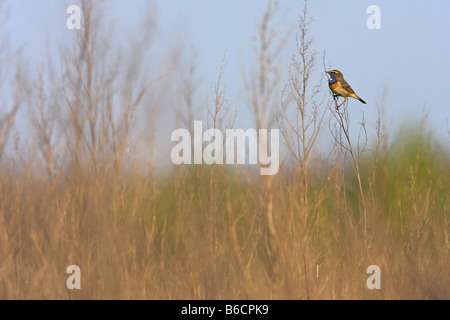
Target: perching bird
point(340, 87)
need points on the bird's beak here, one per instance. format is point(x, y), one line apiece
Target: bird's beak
point(327, 72)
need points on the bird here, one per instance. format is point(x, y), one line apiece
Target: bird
point(340, 87)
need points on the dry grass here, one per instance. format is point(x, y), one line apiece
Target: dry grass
point(76, 198)
point(183, 238)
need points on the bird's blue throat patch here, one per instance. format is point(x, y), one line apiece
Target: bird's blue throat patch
point(332, 79)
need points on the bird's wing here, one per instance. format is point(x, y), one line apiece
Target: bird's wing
point(346, 86)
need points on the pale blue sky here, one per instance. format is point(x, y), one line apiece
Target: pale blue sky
point(410, 54)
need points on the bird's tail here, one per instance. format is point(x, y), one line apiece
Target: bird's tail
point(358, 98)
